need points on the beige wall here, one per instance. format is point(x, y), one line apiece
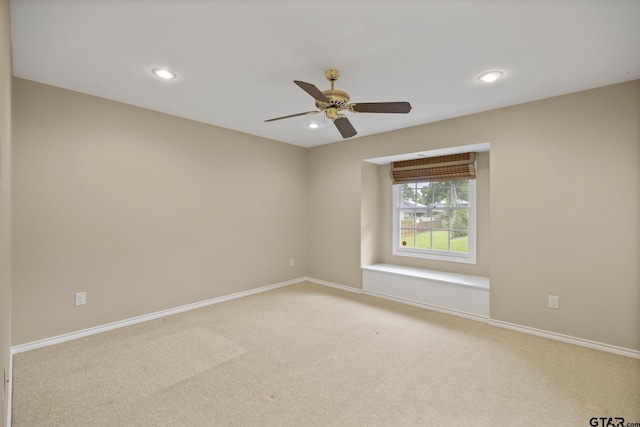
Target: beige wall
point(143, 211)
point(5, 201)
point(562, 217)
point(579, 240)
point(371, 218)
point(137, 208)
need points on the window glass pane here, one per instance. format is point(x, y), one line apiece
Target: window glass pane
point(459, 242)
point(440, 219)
point(460, 220)
point(407, 239)
point(423, 239)
point(408, 195)
point(407, 219)
point(423, 219)
point(460, 196)
point(441, 194)
point(440, 240)
point(425, 196)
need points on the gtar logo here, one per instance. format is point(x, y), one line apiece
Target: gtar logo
point(606, 422)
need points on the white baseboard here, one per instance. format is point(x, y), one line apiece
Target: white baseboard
point(146, 317)
point(10, 390)
point(334, 285)
point(568, 339)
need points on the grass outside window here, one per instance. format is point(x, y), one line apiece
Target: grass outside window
point(440, 241)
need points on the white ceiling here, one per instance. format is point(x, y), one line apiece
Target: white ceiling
point(237, 59)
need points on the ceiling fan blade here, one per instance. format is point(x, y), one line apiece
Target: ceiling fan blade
point(293, 115)
point(312, 90)
point(345, 127)
point(381, 107)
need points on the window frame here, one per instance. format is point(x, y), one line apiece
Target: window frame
point(467, 258)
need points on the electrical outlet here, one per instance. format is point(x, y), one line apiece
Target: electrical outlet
point(554, 301)
point(81, 298)
point(292, 262)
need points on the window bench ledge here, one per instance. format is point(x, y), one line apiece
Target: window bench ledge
point(440, 276)
point(458, 294)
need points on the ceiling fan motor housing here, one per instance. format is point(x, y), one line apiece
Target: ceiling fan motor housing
point(339, 101)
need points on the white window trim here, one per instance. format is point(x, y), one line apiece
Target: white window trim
point(466, 258)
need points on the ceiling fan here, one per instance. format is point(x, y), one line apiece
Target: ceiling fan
point(333, 101)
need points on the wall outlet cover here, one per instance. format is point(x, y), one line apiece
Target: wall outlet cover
point(81, 298)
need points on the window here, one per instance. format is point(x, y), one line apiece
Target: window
point(435, 220)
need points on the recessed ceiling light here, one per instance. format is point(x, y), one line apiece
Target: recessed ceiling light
point(490, 76)
point(314, 125)
point(163, 73)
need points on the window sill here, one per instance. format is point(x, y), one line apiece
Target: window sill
point(464, 259)
point(439, 276)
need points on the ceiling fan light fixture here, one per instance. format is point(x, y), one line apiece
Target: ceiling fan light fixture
point(490, 76)
point(164, 73)
point(333, 101)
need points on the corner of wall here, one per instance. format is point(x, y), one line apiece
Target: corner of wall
point(6, 70)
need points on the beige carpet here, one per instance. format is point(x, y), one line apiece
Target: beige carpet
point(308, 355)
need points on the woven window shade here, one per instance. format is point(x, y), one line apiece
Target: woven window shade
point(442, 168)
